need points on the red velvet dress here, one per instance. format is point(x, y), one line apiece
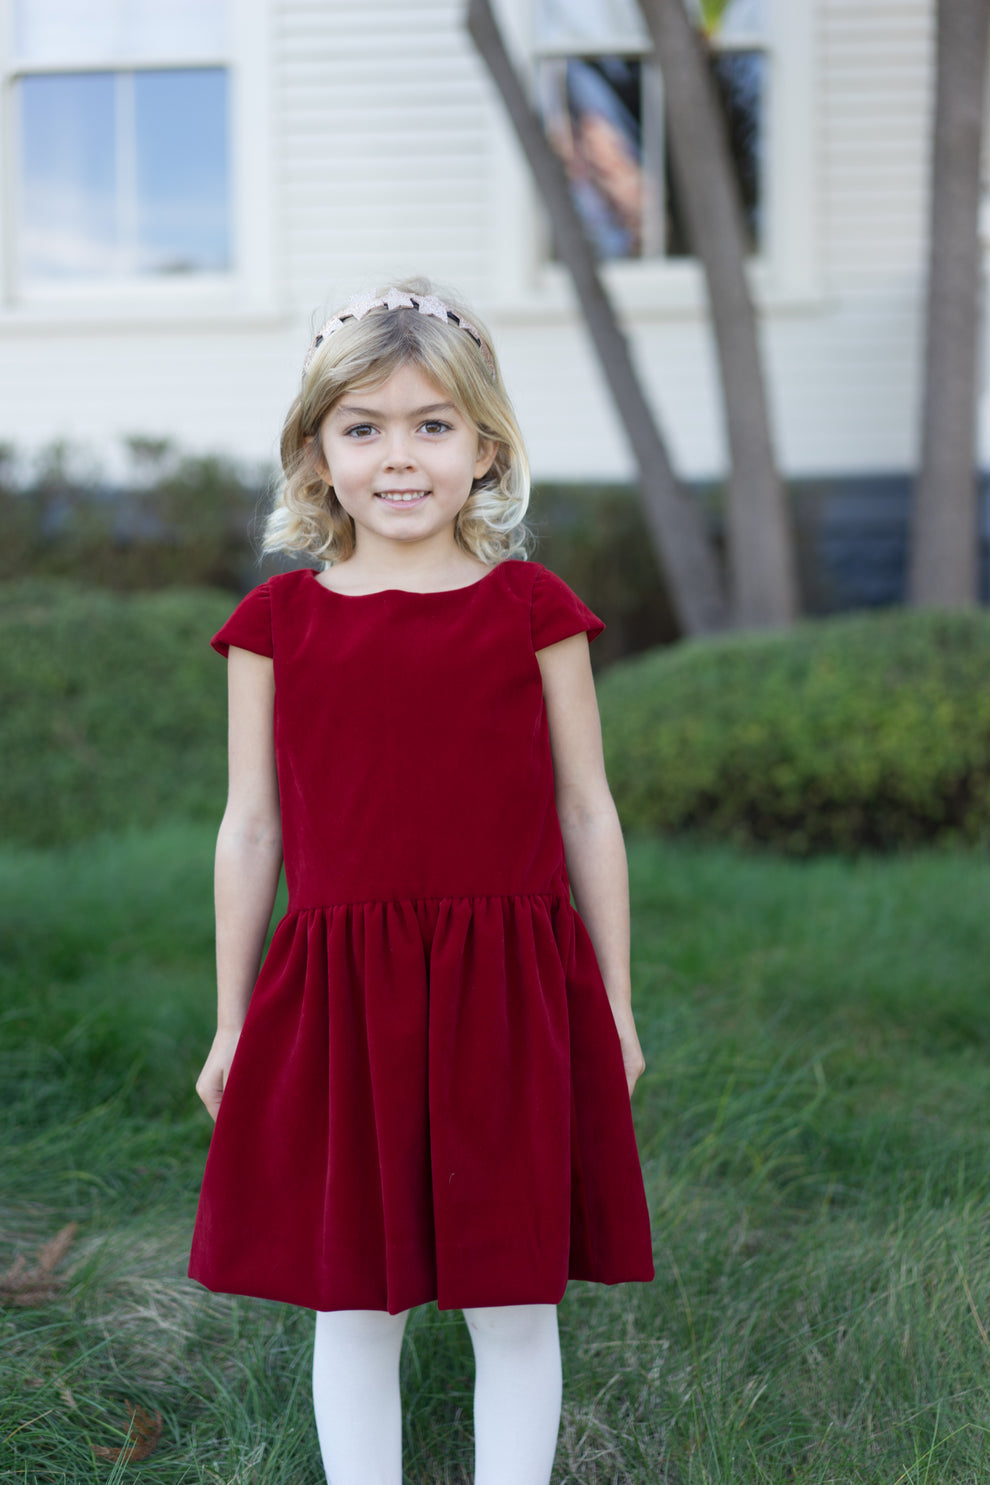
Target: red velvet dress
point(428, 1099)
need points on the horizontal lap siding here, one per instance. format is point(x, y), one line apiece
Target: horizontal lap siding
point(847, 382)
point(384, 162)
point(875, 60)
point(843, 367)
point(381, 129)
point(383, 140)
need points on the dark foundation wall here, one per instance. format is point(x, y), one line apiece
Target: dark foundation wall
point(852, 539)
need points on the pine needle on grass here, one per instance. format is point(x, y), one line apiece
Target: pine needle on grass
point(143, 1432)
point(38, 1283)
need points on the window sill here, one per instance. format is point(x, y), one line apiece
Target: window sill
point(213, 302)
point(659, 290)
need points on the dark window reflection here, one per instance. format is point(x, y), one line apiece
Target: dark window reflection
point(602, 116)
point(740, 78)
point(594, 117)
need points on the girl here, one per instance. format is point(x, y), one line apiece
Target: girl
point(429, 1098)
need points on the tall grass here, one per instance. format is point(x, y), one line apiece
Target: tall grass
point(812, 1124)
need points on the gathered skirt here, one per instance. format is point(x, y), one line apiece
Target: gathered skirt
point(427, 1102)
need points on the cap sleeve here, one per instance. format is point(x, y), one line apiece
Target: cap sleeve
point(558, 612)
point(249, 626)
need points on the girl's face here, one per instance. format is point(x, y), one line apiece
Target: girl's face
point(401, 458)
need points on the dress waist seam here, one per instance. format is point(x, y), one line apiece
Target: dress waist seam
point(558, 895)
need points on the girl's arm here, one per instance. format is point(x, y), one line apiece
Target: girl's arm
point(248, 860)
point(593, 846)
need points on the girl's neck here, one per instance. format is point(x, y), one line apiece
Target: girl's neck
point(419, 572)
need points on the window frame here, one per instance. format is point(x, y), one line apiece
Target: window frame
point(785, 272)
point(247, 286)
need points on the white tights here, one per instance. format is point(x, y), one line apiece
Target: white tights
point(516, 1396)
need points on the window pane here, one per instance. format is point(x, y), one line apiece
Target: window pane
point(124, 173)
point(593, 112)
point(182, 170)
point(68, 185)
point(103, 31)
point(741, 80)
point(589, 25)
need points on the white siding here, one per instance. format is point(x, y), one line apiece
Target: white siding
point(848, 388)
point(380, 133)
point(385, 148)
point(843, 366)
point(876, 67)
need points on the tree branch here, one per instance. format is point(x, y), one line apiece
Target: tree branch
point(673, 519)
point(761, 555)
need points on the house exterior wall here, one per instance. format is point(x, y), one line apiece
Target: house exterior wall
point(374, 146)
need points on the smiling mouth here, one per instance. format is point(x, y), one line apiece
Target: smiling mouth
point(401, 497)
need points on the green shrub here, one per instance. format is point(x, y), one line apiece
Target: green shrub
point(112, 709)
point(869, 731)
point(595, 537)
point(176, 520)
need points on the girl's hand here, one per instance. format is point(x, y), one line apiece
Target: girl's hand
point(216, 1069)
point(632, 1053)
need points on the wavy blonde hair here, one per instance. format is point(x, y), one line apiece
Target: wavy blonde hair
point(362, 354)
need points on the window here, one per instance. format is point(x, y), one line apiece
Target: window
point(601, 99)
point(128, 134)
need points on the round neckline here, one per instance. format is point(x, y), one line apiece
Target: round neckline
point(404, 592)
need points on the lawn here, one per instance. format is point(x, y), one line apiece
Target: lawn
point(813, 1129)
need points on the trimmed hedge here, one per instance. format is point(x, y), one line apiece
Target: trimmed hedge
point(112, 709)
point(193, 521)
point(595, 538)
point(869, 731)
point(180, 520)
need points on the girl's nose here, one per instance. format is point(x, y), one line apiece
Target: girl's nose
point(397, 455)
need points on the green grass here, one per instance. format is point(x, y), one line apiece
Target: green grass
point(813, 1130)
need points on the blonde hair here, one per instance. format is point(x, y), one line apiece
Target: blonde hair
point(362, 353)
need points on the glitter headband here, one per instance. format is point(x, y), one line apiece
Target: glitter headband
point(426, 304)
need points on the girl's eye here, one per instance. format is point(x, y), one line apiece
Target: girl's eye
point(359, 430)
point(436, 426)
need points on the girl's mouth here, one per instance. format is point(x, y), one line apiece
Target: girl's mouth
point(402, 497)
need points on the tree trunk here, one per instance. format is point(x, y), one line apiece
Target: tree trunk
point(760, 540)
point(944, 569)
point(673, 519)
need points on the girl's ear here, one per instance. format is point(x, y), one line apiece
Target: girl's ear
point(487, 449)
